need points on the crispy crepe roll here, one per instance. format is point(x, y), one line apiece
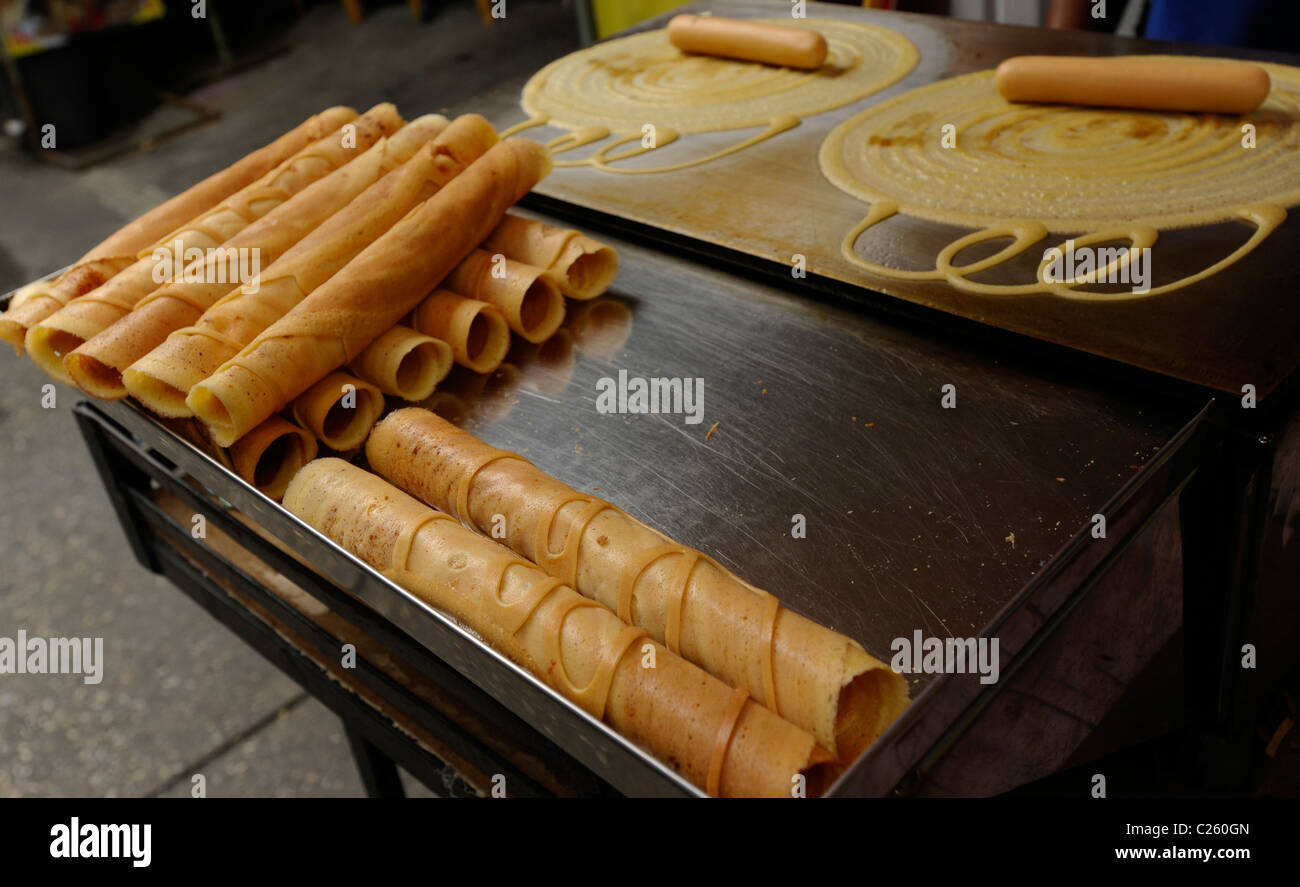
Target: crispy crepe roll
point(340, 410)
point(123, 247)
point(336, 322)
point(404, 363)
point(162, 379)
point(476, 331)
point(22, 294)
point(528, 296)
point(735, 38)
point(711, 734)
point(54, 338)
point(97, 364)
point(584, 267)
point(271, 454)
point(814, 677)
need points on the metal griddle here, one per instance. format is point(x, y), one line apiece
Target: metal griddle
point(911, 508)
point(971, 521)
point(771, 201)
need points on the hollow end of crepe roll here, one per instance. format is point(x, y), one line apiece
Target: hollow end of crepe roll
point(162, 379)
point(49, 348)
point(487, 340)
point(868, 704)
point(322, 411)
point(95, 377)
point(540, 310)
point(821, 773)
point(271, 454)
point(13, 332)
point(160, 397)
point(404, 363)
point(477, 332)
point(209, 409)
point(590, 271)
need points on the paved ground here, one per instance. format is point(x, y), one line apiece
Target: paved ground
point(180, 694)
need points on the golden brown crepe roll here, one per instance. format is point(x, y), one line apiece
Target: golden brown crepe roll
point(706, 731)
point(1214, 86)
point(97, 364)
point(162, 379)
point(337, 321)
point(271, 454)
point(747, 40)
point(814, 677)
point(476, 331)
point(122, 248)
point(404, 363)
point(31, 290)
point(529, 297)
point(584, 267)
point(50, 341)
point(340, 410)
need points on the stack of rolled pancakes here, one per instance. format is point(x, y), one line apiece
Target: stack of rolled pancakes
point(387, 254)
point(369, 283)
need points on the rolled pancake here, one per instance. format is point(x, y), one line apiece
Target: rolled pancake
point(814, 677)
point(122, 247)
point(476, 331)
point(584, 267)
point(63, 331)
point(31, 290)
point(404, 363)
point(698, 726)
point(528, 296)
point(336, 322)
point(271, 454)
point(162, 379)
point(340, 410)
point(748, 40)
point(97, 364)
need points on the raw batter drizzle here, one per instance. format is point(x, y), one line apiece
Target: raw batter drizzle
point(1082, 168)
point(621, 86)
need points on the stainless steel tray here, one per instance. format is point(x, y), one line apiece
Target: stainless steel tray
point(919, 517)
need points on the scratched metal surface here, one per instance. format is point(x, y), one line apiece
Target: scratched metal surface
point(918, 517)
point(771, 201)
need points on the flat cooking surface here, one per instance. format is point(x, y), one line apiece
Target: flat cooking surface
point(772, 201)
point(917, 516)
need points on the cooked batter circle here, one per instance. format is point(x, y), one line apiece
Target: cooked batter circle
point(1068, 168)
point(624, 84)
